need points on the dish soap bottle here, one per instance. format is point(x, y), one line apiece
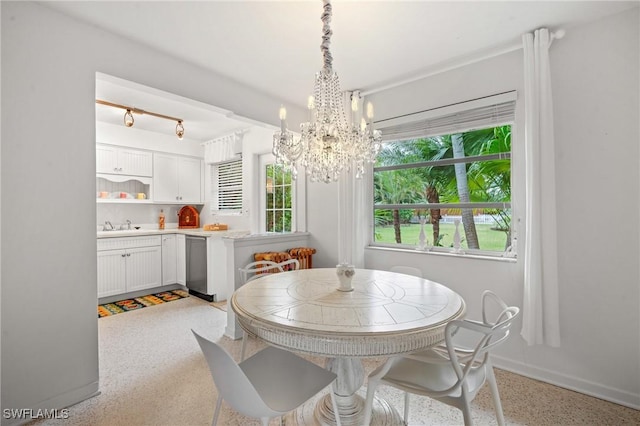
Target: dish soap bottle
point(161, 220)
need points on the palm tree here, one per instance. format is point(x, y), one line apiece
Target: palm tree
point(470, 234)
point(397, 186)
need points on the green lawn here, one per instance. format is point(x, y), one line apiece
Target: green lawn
point(489, 239)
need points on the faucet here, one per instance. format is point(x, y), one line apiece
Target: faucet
point(128, 225)
point(110, 228)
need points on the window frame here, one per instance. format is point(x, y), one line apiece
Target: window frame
point(409, 120)
point(268, 160)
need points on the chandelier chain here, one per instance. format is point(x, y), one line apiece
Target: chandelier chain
point(326, 36)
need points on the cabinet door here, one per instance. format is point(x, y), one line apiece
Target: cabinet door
point(144, 268)
point(165, 178)
point(111, 272)
point(135, 163)
point(169, 260)
point(181, 261)
point(189, 180)
point(106, 159)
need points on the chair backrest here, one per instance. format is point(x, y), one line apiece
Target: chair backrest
point(489, 335)
point(409, 270)
point(258, 269)
point(231, 382)
point(255, 269)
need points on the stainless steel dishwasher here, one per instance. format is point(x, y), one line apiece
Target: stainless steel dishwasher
point(196, 258)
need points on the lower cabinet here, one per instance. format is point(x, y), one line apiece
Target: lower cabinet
point(169, 260)
point(128, 264)
point(181, 259)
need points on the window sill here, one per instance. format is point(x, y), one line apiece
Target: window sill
point(500, 258)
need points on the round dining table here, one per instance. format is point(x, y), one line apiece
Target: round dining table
point(386, 314)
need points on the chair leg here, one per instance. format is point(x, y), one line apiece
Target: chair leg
point(217, 412)
point(495, 395)
point(245, 337)
point(368, 406)
point(406, 407)
point(466, 409)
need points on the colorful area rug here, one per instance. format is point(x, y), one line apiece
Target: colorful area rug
point(127, 305)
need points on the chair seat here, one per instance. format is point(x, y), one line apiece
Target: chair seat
point(432, 379)
point(274, 368)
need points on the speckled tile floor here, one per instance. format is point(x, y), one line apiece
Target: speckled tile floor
point(153, 373)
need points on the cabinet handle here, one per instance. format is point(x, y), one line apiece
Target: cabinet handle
point(128, 254)
point(123, 255)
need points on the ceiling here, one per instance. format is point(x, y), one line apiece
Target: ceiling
point(274, 46)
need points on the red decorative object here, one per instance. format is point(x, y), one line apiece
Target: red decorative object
point(188, 218)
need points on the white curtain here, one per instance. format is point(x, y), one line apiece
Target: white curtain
point(222, 149)
point(540, 311)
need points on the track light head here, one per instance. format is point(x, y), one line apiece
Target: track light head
point(128, 118)
point(180, 130)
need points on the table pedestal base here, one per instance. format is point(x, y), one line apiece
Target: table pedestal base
point(319, 412)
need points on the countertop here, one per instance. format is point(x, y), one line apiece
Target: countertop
point(235, 233)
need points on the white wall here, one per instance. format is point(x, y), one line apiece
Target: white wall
point(49, 64)
point(595, 71)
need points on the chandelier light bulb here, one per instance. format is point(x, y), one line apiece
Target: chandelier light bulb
point(128, 118)
point(354, 103)
point(283, 113)
point(311, 102)
point(369, 111)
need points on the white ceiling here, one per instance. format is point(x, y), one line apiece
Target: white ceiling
point(274, 46)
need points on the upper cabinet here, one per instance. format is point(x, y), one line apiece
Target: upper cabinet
point(123, 161)
point(176, 179)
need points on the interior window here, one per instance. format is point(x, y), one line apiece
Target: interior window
point(278, 195)
point(226, 186)
point(448, 191)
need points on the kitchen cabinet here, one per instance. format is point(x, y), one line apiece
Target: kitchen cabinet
point(128, 264)
point(181, 260)
point(169, 259)
point(123, 161)
point(176, 179)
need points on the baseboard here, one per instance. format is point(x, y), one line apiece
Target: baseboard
point(617, 396)
point(58, 402)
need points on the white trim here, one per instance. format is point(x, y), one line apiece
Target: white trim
point(607, 393)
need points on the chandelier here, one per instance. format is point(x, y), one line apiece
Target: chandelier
point(328, 143)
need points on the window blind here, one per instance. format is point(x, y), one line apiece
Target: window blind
point(485, 112)
point(229, 185)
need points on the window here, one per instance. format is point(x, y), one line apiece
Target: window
point(278, 192)
point(226, 186)
point(443, 170)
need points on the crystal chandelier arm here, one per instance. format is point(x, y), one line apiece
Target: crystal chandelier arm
point(326, 36)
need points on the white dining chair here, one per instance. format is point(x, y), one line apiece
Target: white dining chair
point(450, 373)
point(409, 270)
point(270, 384)
point(256, 270)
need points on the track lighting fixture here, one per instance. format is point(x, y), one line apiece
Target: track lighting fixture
point(128, 116)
